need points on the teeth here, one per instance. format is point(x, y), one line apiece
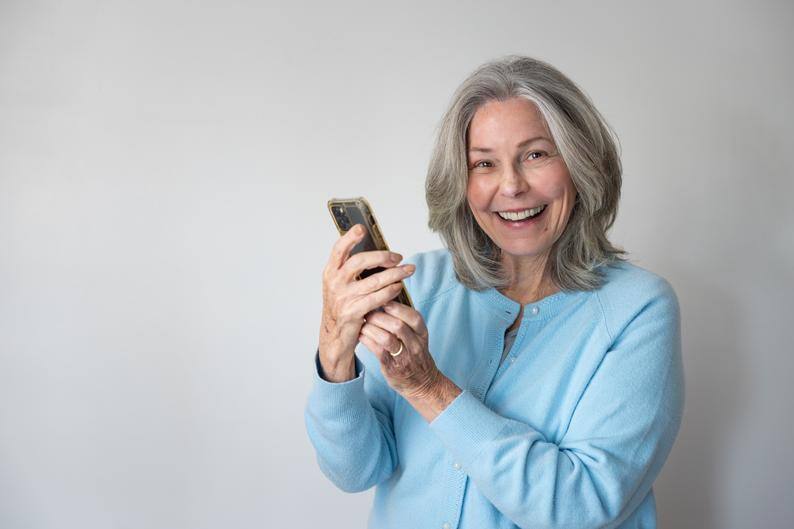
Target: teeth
point(521, 215)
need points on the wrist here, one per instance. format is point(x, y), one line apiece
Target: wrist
point(337, 369)
point(432, 398)
point(430, 388)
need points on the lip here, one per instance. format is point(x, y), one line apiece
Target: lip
point(517, 210)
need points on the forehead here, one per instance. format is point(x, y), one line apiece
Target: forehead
point(511, 120)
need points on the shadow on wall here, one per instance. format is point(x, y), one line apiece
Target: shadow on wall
point(686, 490)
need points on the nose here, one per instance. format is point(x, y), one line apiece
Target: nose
point(513, 182)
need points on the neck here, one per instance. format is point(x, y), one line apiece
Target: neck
point(529, 280)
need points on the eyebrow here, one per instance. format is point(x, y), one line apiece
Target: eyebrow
point(522, 144)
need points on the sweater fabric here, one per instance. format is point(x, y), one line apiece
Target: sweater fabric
point(570, 431)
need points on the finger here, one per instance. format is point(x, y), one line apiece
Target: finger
point(344, 244)
point(407, 314)
point(394, 327)
point(376, 299)
point(373, 347)
point(382, 338)
point(371, 259)
point(382, 279)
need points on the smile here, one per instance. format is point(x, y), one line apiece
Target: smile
point(522, 215)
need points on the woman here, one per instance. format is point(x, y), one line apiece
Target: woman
point(539, 381)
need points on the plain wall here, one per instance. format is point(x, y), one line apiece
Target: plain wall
point(164, 168)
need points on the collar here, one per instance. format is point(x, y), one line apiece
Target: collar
point(506, 309)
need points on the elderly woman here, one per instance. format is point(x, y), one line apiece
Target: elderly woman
point(539, 381)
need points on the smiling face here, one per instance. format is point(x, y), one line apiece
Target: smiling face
point(516, 170)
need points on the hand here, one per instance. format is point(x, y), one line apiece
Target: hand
point(346, 300)
point(413, 373)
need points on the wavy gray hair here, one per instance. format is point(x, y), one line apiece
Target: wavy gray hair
point(587, 145)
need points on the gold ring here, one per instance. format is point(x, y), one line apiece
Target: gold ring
point(399, 351)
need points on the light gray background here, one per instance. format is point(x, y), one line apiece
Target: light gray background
point(164, 168)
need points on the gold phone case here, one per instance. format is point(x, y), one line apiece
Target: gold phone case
point(347, 212)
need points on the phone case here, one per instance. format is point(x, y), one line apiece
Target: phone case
point(346, 213)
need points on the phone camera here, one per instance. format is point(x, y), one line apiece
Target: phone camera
point(344, 222)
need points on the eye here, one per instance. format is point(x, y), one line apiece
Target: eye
point(479, 164)
point(531, 155)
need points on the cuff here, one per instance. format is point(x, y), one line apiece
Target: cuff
point(338, 401)
point(466, 425)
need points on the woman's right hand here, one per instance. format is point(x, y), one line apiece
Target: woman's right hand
point(346, 300)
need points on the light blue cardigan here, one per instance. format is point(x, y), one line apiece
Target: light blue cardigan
point(570, 431)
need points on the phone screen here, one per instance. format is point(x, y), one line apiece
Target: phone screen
point(366, 244)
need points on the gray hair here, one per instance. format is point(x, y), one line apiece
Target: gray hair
point(587, 145)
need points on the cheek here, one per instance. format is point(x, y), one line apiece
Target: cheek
point(558, 187)
point(477, 194)
point(561, 189)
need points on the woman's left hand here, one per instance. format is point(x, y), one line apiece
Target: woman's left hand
point(413, 372)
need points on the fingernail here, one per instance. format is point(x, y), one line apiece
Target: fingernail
point(409, 268)
point(395, 257)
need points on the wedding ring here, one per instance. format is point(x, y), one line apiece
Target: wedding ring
point(399, 351)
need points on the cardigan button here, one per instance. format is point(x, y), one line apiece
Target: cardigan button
point(446, 526)
point(456, 466)
point(535, 310)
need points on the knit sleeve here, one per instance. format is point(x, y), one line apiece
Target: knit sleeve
point(351, 428)
point(620, 434)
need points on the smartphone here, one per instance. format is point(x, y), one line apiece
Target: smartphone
point(347, 212)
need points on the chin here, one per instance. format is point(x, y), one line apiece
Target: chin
point(518, 251)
